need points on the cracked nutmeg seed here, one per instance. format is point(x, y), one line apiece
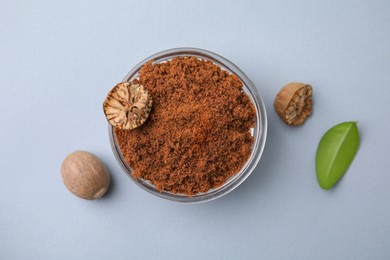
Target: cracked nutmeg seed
point(294, 103)
point(127, 105)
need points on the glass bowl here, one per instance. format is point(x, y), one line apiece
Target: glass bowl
point(259, 132)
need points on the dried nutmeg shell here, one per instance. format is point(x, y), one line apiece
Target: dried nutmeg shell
point(294, 103)
point(127, 105)
point(85, 175)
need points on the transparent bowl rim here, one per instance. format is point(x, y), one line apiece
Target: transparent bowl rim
point(259, 132)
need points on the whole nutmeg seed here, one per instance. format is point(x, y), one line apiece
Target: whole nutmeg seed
point(85, 175)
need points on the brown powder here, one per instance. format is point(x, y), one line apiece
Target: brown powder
point(197, 135)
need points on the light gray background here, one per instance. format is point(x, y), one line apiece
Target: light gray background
point(58, 60)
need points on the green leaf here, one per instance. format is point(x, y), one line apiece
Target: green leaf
point(335, 153)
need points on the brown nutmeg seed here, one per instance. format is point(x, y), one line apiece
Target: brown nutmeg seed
point(294, 103)
point(85, 175)
point(127, 105)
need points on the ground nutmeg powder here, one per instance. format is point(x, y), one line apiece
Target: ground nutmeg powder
point(198, 132)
